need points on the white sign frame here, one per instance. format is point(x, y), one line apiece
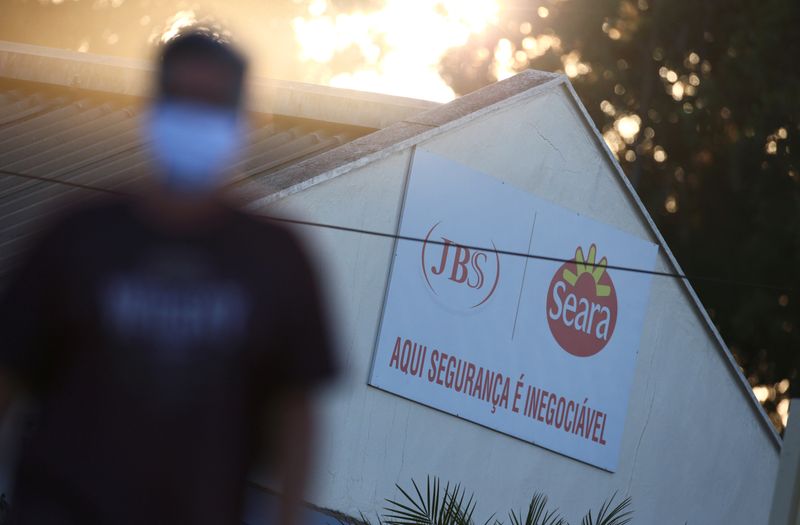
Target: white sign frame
point(455, 301)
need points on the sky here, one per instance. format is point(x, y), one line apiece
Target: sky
point(387, 46)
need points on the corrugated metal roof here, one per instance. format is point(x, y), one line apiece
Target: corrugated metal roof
point(58, 142)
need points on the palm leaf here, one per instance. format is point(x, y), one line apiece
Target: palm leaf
point(619, 515)
point(537, 513)
point(448, 506)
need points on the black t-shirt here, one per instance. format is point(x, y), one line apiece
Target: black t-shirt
point(153, 355)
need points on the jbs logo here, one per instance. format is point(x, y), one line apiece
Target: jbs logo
point(463, 275)
point(582, 305)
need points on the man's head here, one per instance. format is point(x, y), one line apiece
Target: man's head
point(197, 66)
point(195, 127)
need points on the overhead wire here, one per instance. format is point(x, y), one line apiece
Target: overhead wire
point(399, 237)
point(512, 253)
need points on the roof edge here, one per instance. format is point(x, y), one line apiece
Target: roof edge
point(402, 134)
point(133, 77)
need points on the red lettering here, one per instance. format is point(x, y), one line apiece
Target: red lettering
point(422, 360)
point(405, 357)
point(470, 374)
point(461, 258)
point(488, 385)
point(459, 383)
point(478, 390)
point(448, 377)
point(542, 397)
point(550, 412)
point(443, 262)
point(478, 270)
point(599, 424)
point(560, 408)
point(537, 393)
point(441, 369)
point(568, 427)
point(603, 430)
point(432, 369)
point(395, 359)
point(589, 422)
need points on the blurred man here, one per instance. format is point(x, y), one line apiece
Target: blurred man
point(154, 333)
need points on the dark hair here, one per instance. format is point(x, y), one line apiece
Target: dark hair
point(204, 45)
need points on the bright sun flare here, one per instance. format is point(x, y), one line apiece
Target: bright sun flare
point(401, 44)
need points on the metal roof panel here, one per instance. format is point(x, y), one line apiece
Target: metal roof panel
point(55, 140)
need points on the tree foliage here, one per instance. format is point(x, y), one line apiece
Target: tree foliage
point(712, 89)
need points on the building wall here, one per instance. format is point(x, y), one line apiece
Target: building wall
point(694, 449)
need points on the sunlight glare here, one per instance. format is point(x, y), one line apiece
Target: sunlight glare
point(628, 127)
point(573, 66)
point(503, 66)
point(401, 44)
point(178, 21)
point(783, 411)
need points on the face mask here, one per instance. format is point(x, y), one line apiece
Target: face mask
point(194, 144)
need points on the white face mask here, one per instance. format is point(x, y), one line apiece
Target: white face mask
point(195, 144)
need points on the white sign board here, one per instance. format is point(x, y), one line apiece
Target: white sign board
point(542, 350)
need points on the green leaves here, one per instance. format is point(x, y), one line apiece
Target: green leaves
point(537, 515)
point(619, 515)
point(436, 507)
point(450, 505)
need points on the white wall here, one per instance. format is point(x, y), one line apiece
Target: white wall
point(694, 449)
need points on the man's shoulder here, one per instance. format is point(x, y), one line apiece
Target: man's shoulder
point(78, 217)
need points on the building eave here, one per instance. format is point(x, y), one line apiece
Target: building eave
point(132, 77)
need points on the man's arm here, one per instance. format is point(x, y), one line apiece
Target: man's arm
point(29, 304)
point(294, 450)
point(304, 362)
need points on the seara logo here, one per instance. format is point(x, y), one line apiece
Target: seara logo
point(582, 305)
point(460, 274)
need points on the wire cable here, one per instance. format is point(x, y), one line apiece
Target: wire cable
point(717, 280)
point(398, 237)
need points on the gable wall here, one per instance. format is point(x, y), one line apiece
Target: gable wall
point(694, 449)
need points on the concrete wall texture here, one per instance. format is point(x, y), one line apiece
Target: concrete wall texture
point(695, 449)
